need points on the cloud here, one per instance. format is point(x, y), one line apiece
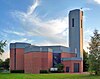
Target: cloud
point(14, 32)
point(5, 56)
point(86, 45)
point(97, 1)
point(52, 30)
point(33, 7)
point(94, 1)
point(86, 9)
point(22, 40)
point(87, 37)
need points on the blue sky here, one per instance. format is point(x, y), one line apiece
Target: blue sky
point(44, 22)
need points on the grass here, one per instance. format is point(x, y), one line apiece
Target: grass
point(47, 76)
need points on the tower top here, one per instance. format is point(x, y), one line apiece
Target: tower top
point(76, 10)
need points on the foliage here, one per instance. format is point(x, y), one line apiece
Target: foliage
point(85, 61)
point(2, 45)
point(44, 71)
point(17, 71)
point(4, 65)
point(1, 61)
point(94, 56)
point(60, 67)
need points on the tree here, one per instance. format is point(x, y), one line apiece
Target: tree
point(2, 45)
point(5, 64)
point(1, 61)
point(85, 61)
point(94, 56)
point(60, 67)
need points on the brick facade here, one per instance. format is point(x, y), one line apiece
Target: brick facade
point(17, 59)
point(67, 55)
point(12, 67)
point(36, 61)
point(70, 64)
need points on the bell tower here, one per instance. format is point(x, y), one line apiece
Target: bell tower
point(76, 32)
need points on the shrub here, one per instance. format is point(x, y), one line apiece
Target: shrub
point(60, 71)
point(44, 71)
point(17, 71)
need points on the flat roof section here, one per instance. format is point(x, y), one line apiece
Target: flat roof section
point(19, 45)
point(32, 48)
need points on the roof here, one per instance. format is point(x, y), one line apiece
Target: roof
point(32, 48)
point(19, 45)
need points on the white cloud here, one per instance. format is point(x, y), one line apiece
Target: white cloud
point(86, 9)
point(22, 40)
point(15, 32)
point(53, 30)
point(94, 1)
point(5, 56)
point(33, 7)
point(87, 37)
point(97, 1)
point(86, 45)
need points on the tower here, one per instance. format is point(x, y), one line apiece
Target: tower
point(76, 32)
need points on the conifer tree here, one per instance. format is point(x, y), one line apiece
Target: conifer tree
point(94, 56)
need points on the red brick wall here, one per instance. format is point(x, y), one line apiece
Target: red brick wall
point(46, 60)
point(12, 59)
point(19, 59)
point(70, 64)
point(27, 62)
point(36, 61)
point(32, 62)
point(67, 55)
point(50, 59)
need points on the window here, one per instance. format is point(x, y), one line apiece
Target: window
point(72, 22)
point(82, 13)
point(81, 23)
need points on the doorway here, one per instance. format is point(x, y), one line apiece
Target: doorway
point(67, 69)
point(76, 67)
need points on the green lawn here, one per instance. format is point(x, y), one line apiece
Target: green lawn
point(47, 76)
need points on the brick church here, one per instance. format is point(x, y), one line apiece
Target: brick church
point(33, 59)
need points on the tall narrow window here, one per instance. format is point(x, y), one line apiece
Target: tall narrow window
point(72, 22)
point(15, 58)
point(81, 24)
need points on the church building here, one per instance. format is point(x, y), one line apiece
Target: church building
point(32, 59)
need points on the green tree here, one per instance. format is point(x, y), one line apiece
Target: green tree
point(5, 64)
point(2, 45)
point(94, 56)
point(85, 61)
point(1, 61)
point(60, 67)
